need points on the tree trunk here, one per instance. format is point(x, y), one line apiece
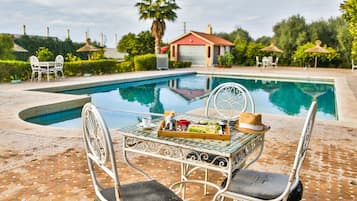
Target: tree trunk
point(157, 45)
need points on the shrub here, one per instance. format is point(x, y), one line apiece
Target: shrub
point(225, 60)
point(125, 66)
point(180, 64)
point(145, 62)
point(11, 69)
point(95, 67)
point(44, 54)
point(72, 57)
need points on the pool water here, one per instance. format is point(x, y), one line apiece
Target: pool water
point(119, 103)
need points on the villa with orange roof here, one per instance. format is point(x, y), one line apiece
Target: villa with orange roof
point(202, 49)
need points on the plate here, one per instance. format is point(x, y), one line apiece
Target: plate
point(150, 126)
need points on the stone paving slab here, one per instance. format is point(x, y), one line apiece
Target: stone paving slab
point(46, 163)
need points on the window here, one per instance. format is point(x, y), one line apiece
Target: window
point(173, 51)
point(209, 52)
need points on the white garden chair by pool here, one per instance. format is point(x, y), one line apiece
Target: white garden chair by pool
point(354, 66)
point(275, 63)
point(35, 67)
point(258, 186)
point(59, 61)
point(257, 62)
point(100, 156)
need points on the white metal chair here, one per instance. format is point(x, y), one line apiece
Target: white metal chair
point(59, 61)
point(275, 64)
point(257, 62)
point(35, 68)
point(229, 100)
point(100, 155)
point(354, 66)
point(257, 186)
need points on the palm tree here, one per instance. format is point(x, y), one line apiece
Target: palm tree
point(159, 11)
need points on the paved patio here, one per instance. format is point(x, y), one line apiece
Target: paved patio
point(46, 163)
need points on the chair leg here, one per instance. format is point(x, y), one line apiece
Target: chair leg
point(32, 76)
point(206, 179)
point(39, 74)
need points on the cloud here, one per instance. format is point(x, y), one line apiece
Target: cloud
point(121, 16)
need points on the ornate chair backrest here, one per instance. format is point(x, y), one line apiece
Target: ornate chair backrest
point(229, 100)
point(34, 62)
point(59, 61)
point(99, 149)
point(301, 148)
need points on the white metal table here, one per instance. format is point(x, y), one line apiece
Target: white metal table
point(217, 155)
point(48, 67)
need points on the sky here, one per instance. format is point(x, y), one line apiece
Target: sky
point(121, 16)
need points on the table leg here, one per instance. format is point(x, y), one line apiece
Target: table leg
point(130, 164)
point(48, 72)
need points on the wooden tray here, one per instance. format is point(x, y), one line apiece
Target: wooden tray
point(214, 136)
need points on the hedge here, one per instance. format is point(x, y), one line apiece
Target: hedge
point(94, 67)
point(10, 70)
point(22, 70)
point(145, 62)
point(180, 64)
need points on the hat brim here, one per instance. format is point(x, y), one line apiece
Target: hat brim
point(250, 131)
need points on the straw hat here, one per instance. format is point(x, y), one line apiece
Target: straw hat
point(251, 123)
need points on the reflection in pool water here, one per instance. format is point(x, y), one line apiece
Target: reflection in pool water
point(186, 93)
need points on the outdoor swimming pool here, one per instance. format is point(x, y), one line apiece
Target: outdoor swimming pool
point(185, 93)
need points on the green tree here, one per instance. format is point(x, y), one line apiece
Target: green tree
point(158, 11)
point(265, 40)
point(143, 43)
point(239, 51)
point(289, 34)
point(253, 50)
point(307, 59)
point(238, 33)
point(6, 45)
point(349, 9)
point(44, 54)
point(129, 44)
point(146, 41)
point(344, 40)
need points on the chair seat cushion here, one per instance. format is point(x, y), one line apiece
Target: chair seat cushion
point(140, 191)
point(263, 185)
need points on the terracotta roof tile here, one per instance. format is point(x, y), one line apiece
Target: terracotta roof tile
point(213, 38)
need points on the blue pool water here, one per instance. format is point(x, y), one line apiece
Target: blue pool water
point(186, 93)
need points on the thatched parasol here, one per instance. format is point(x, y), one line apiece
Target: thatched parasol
point(18, 48)
point(271, 48)
point(88, 48)
point(317, 49)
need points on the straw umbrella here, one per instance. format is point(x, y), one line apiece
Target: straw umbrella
point(272, 48)
point(22, 51)
point(18, 48)
point(317, 49)
point(88, 48)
